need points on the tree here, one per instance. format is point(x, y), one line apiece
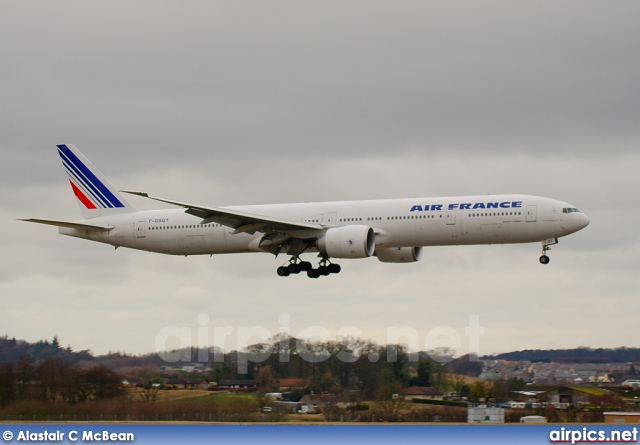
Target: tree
point(458, 383)
point(55, 344)
point(467, 365)
point(7, 383)
point(424, 376)
point(389, 401)
point(148, 391)
point(264, 380)
point(25, 372)
point(99, 382)
point(481, 391)
point(439, 377)
point(501, 391)
point(326, 383)
point(367, 370)
point(398, 363)
point(50, 374)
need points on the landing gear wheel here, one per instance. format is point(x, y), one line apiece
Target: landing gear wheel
point(546, 246)
point(305, 266)
point(325, 267)
point(294, 268)
point(283, 271)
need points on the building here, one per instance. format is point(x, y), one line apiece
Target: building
point(633, 384)
point(292, 384)
point(326, 401)
point(533, 419)
point(574, 395)
point(234, 385)
point(484, 414)
point(176, 384)
point(422, 393)
point(131, 382)
point(186, 384)
point(198, 383)
point(622, 417)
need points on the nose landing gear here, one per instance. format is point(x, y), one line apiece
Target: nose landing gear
point(544, 259)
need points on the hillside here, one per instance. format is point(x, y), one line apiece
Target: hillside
point(581, 354)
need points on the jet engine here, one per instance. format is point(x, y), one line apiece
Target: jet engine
point(399, 254)
point(348, 242)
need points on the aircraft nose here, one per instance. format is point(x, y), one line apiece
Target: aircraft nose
point(583, 221)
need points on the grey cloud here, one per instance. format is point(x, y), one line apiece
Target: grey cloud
point(263, 80)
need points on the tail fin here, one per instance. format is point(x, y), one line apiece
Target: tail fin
point(96, 195)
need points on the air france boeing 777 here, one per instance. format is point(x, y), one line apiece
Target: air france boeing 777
point(393, 230)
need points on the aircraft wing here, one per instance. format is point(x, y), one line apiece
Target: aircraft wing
point(71, 225)
point(241, 222)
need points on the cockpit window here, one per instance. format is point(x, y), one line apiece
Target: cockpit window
point(570, 210)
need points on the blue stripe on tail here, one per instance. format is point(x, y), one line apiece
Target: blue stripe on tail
point(82, 183)
point(80, 171)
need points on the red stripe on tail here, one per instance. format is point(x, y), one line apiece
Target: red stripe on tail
point(81, 196)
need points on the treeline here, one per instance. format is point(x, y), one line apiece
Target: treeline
point(346, 364)
point(581, 354)
point(46, 372)
point(53, 380)
point(360, 370)
point(11, 350)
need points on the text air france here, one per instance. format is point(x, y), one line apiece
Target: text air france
point(468, 206)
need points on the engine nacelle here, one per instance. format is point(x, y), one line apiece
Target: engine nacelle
point(348, 242)
point(399, 254)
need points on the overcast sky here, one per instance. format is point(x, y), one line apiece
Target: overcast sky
point(238, 102)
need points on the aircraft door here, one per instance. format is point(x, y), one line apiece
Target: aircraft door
point(451, 217)
point(140, 229)
point(331, 219)
point(532, 213)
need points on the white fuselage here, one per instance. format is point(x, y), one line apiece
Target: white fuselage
point(413, 222)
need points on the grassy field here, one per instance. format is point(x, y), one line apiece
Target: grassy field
point(204, 406)
point(175, 405)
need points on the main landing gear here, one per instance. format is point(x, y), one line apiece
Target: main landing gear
point(325, 267)
point(295, 266)
point(544, 259)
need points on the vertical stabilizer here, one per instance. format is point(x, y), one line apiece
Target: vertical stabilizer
point(96, 195)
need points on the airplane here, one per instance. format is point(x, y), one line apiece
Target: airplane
point(393, 230)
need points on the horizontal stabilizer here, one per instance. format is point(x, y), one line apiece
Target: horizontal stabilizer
point(72, 225)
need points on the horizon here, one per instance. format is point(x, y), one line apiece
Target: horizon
point(210, 347)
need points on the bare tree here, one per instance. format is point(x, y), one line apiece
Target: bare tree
point(148, 391)
point(264, 380)
point(389, 402)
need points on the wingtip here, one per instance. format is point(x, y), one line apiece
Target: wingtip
point(143, 194)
